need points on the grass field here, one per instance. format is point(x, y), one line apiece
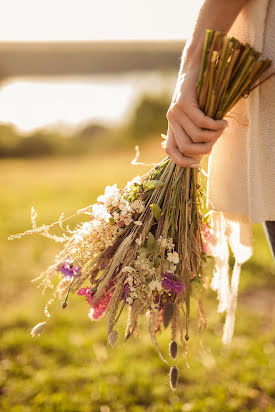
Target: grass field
point(70, 368)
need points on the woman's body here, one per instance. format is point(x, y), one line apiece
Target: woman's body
point(241, 173)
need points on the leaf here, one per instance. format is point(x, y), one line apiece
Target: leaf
point(152, 184)
point(156, 262)
point(143, 251)
point(151, 242)
point(156, 211)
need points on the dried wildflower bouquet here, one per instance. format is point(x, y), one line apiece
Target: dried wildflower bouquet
point(144, 247)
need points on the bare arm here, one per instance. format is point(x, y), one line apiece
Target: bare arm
point(190, 133)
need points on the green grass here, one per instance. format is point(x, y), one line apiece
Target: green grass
point(70, 368)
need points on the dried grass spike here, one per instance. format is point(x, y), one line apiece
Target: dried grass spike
point(113, 337)
point(168, 314)
point(173, 377)
point(113, 305)
point(133, 313)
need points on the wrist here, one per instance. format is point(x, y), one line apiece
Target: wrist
point(191, 57)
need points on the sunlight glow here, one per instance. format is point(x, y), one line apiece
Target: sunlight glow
point(40, 20)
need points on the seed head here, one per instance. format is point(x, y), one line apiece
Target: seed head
point(173, 375)
point(173, 349)
point(38, 329)
point(113, 337)
point(167, 314)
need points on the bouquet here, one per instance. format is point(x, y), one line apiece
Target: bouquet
point(146, 247)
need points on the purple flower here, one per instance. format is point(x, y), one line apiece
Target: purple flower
point(126, 291)
point(169, 282)
point(68, 270)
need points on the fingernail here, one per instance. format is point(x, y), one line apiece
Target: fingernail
point(196, 165)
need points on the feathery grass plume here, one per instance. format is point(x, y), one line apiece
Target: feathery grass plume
point(168, 314)
point(146, 245)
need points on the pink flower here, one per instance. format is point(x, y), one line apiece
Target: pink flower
point(99, 308)
point(87, 292)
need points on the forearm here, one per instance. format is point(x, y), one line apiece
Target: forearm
point(214, 15)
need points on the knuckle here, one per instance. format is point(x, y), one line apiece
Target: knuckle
point(168, 114)
point(181, 105)
point(182, 148)
point(200, 121)
point(167, 150)
point(197, 137)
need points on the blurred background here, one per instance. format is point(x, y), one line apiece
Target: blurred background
point(81, 83)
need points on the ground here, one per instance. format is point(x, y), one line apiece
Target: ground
point(70, 368)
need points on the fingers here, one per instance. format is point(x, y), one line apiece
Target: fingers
point(185, 144)
point(173, 152)
point(196, 134)
point(203, 121)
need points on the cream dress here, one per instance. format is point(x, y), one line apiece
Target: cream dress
point(241, 169)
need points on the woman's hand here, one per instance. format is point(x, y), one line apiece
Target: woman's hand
point(191, 134)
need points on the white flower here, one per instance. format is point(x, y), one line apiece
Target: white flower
point(166, 242)
point(125, 208)
point(138, 222)
point(38, 329)
point(129, 300)
point(173, 257)
point(155, 284)
point(111, 194)
point(137, 206)
point(127, 220)
point(136, 179)
point(116, 216)
point(100, 212)
point(127, 269)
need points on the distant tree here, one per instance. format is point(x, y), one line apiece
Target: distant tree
point(34, 146)
point(9, 138)
point(149, 116)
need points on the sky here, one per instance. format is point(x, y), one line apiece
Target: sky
point(50, 20)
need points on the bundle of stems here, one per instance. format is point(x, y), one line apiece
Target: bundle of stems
point(229, 69)
point(145, 245)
